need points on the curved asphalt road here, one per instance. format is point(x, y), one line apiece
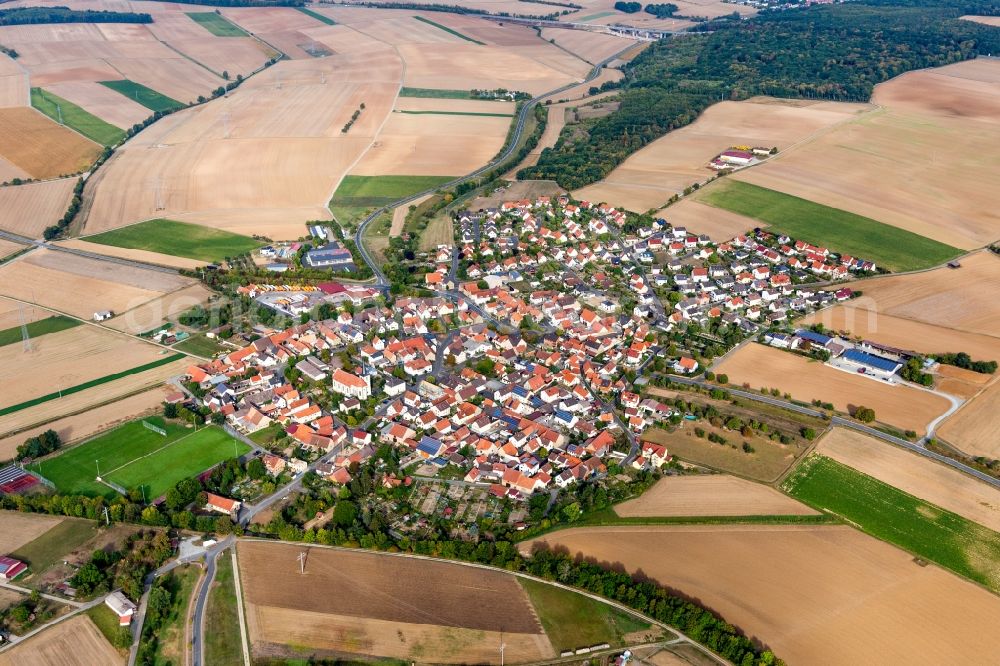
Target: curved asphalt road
point(522, 117)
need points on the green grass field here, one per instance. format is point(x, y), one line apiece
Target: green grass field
point(222, 621)
point(171, 647)
point(134, 457)
point(53, 324)
point(316, 15)
point(456, 33)
point(199, 345)
point(107, 622)
point(179, 239)
point(148, 97)
point(892, 515)
point(572, 620)
point(838, 230)
point(51, 547)
point(437, 93)
point(358, 195)
point(90, 384)
point(459, 113)
point(217, 24)
point(74, 117)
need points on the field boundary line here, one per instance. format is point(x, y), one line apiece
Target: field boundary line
point(70, 128)
point(186, 56)
point(239, 608)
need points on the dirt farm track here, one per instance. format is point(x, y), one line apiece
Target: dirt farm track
point(814, 595)
point(379, 605)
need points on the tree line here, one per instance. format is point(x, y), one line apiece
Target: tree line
point(836, 51)
point(36, 15)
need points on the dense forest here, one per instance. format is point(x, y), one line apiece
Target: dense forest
point(32, 15)
point(837, 52)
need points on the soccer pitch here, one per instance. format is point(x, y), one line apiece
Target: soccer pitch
point(132, 456)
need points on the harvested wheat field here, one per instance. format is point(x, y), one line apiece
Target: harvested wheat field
point(13, 83)
point(81, 286)
point(374, 604)
point(145, 256)
point(901, 406)
point(986, 20)
point(8, 248)
point(666, 166)
point(101, 101)
point(68, 358)
point(283, 28)
point(582, 90)
point(399, 215)
point(864, 319)
point(27, 209)
point(17, 529)
point(919, 476)
point(590, 46)
point(9, 171)
point(963, 299)
point(433, 145)
point(710, 495)
point(42, 148)
point(932, 130)
point(814, 595)
point(75, 642)
point(974, 427)
point(90, 422)
point(720, 224)
point(262, 161)
point(149, 315)
point(82, 401)
point(13, 313)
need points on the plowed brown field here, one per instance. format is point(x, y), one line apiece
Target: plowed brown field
point(815, 595)
point(18, 528)
point(710, 495)
point(374, 604)
point(974, 427)
point(901, 406)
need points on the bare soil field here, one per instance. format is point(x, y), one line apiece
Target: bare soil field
point(814, 595)
point(718, 223)
point(13, 83)
point(78, 426)
point(67, 358)
point(18, 528)
point(962, 299)
point(81, 286)
point(433, 145)
point(399, 215)
point(40, 147)
point(973, 428)
point(101, 101)
point(666, 166)
point(986, 20)
point(930, 131)
point(901, 406)
point(82, 401)
point(75, 642)
point(129, 253)
point(263, 160)
point(960, 382)
point(710, 495)
point(378, 605)
point(284, 28)
point(862, 318)
point(916, 475)
point(27, 209)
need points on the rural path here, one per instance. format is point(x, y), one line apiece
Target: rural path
point(24, 590)
point(24, 240)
